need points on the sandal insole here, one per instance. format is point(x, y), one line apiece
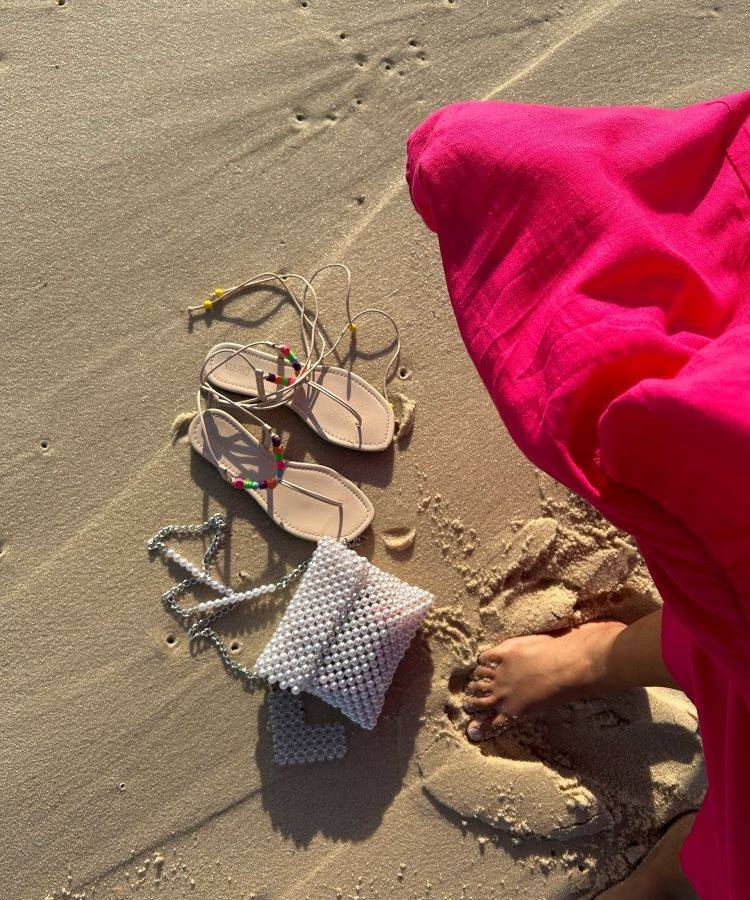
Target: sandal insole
point(345, 512)
point(324, 415)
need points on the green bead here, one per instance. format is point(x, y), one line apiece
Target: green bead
point(248, 484)
point(279, 457)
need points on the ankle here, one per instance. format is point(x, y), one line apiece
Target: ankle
point(602, 675)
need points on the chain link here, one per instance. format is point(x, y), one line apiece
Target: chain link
point(197, 624)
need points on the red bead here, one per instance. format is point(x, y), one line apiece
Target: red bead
point(281, 466)
point(272, 482)
point(238, 483)
point(285, 351)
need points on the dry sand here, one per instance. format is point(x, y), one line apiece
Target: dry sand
point(150, 152)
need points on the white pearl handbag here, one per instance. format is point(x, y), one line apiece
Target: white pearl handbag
point(344, 633)
point(341, 638)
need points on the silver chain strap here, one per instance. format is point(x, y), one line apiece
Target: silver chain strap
point(198, 623)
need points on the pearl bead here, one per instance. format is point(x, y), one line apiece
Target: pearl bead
point(341, 638)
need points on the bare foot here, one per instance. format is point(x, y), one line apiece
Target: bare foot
point(526, 675)
point(659, 876)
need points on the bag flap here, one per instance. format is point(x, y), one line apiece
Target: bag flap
point(334, 579)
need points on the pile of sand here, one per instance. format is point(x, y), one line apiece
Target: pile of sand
point(588, 782)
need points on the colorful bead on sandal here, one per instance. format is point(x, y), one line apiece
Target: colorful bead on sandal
point(285, 381)
point(334, 402)
point(266, 483)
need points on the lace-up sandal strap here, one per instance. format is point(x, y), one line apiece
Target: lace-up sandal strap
point(308, 320)
point(323, 395)
point(352, 321)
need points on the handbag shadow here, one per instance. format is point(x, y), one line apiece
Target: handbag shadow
point(346, 799)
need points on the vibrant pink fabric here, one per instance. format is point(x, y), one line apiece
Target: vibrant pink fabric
point(597, 260)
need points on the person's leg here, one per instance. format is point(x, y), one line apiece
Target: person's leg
point(659, 876)
point(525, 675)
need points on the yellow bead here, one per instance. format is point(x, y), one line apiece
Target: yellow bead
point(352, 326)
point(219, 292)
point(208, 303)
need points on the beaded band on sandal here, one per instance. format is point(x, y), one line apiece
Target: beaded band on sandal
point(269, 483)
point(285, 381)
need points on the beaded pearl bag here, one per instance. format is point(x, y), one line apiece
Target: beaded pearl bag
point(344, 633)
point(341, 638)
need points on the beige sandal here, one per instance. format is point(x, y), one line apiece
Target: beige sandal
point(335, 403)
point(307, 500)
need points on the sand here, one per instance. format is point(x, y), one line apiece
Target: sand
point(149, 153)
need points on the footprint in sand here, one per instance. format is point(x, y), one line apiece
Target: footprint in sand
point(399, 539)
point(563, 570)
point(531, 545)
point(517, 796)
point(405, 411)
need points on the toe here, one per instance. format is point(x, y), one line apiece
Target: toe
point(500, 722)
point(472, 703)
point(475, 730)
point(480, 672)
point(490, 657)
point(486, 727)
point(479, 688)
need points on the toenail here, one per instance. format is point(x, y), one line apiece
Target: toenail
point(474, 731)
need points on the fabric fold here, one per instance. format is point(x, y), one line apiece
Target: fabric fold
point(597, 260)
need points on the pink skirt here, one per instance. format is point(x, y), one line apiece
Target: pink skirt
point(597, 260)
